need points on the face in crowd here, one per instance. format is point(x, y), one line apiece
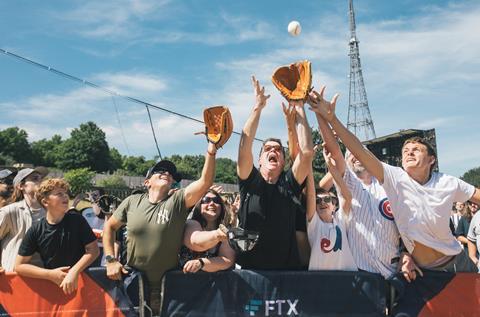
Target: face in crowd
point(57, 200)
point(416, 156)
point(459, 206)
point(354, 164)
point(473, 207)
point(29, 184)
point(160, 177)
point(272, 157)
point(325, 202)
point(211, 207)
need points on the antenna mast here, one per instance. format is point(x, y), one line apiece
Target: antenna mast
point(359, 118)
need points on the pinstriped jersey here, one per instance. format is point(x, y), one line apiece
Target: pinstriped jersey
point(372, 233)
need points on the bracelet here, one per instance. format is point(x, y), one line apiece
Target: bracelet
point(202, 264)
point(211, 154)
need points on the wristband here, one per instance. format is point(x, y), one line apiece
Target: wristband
point(202, 264)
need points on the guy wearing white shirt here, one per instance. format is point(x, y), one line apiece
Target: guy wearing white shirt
point(420, 199)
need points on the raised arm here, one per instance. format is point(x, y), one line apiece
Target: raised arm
point(290, 113)
point(371, 163)
point(311, 197)
point(198, 188)
point(344, 194)
point(303, 162)
point(315, 101)
point(245, 156)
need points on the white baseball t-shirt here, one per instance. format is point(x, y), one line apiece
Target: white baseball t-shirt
point(422, 212)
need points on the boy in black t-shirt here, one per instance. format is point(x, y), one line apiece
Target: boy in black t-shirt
point(64, 240)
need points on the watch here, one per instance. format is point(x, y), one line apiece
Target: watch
point(202, 263)
point(110, 258)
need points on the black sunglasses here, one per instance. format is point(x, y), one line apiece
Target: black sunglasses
point(326, 199)
point(207, 200)
point(161, 172)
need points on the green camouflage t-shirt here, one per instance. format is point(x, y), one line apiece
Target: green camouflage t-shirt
point(154, 232)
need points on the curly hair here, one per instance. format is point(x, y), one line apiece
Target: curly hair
point(48, 186)
point(197, 211)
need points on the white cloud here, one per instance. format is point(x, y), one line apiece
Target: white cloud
point(111, 18)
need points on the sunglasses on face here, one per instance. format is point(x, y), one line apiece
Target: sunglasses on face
point(207, 200)
point(268, 148)
point(161, 172)
point(326, 200)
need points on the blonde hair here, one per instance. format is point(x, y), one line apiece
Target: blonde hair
point(48, 186)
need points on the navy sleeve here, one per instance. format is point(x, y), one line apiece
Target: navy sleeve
point(86, 233)
point(29, 243)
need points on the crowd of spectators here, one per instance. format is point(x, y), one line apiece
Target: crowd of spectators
point(377, 221)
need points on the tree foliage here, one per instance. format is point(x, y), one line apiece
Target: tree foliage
point(86, 147)
point(226, 171)
point(14, 145)
point(45, 152)
point(80, 180)
point(136, 165)
point(472, 176)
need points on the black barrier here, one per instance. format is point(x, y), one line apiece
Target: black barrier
point(249, 293)
point(274, 293)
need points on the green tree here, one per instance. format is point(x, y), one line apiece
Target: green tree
point(226, 171)
point(14, 145)
point(80, 180)
point(112, 181)
point(472, 176)
point(45, 152)
point(190, 166)
point(86, 147)
point(136, 165)
point(116, 160)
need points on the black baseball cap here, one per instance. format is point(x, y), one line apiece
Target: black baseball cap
point(165, 165)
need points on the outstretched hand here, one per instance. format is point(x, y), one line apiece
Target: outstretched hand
point(260, 97)
point(319, 105)
point(289, 112)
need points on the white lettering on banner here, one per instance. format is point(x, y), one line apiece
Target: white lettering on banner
point(292, 307)
point(268, 308)
point(280, 302)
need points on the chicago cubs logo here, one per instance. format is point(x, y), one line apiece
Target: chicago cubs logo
point(325, 242)
point(385, 209)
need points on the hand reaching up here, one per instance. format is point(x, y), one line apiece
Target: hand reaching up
point(321, 106)
point(260, 97)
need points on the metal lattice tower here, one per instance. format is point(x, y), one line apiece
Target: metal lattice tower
point(359, 118)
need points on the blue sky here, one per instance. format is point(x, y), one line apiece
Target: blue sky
point(420, 63)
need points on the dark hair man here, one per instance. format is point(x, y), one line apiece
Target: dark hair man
point(269, 195)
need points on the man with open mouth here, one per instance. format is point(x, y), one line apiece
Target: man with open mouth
point(269, 195)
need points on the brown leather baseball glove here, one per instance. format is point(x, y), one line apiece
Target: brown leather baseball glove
point(218, 125)
point(294, 81)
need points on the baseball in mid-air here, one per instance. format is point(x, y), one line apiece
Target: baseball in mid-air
point(294, 28)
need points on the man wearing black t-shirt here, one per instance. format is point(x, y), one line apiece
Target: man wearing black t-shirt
point(269, 195)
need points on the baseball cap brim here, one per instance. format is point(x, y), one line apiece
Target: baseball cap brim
point(167, 166)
